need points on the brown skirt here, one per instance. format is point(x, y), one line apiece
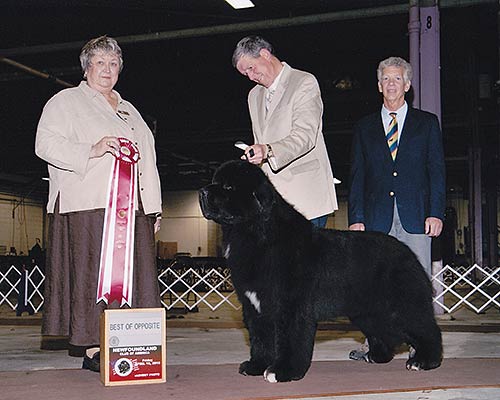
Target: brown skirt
point(72, 270)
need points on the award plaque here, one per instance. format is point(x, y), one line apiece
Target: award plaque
point(133, 346)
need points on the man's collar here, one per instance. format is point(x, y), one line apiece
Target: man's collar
point(275, 83)
point(401, 109)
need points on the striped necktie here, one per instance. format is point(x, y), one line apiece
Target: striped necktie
point(392, 135)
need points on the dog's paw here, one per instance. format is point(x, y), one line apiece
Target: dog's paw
point(251, 368)
point(412, 365)
point(270, 376)
point(273, 375)
point(415, 365)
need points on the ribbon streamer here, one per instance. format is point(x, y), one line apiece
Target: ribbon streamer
point(117, 251)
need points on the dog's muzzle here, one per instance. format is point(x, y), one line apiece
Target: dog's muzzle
point(204, 202)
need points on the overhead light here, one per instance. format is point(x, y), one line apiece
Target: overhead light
point(237, 4)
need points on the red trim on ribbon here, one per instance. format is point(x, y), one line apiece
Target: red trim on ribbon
point(117, 251)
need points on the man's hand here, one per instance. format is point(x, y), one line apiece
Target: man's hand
point(433, 226)
point(359, 226)
point(259, 154)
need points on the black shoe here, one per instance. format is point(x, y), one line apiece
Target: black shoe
point(358, 355)
point(93, 364)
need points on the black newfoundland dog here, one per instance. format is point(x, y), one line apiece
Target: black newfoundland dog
point(289, 275)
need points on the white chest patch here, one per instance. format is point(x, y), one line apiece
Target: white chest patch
point(252, 296)
point(227, 251)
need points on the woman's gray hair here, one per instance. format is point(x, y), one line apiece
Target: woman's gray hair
point(251, 46)
point(102, 44)
point(396, 62)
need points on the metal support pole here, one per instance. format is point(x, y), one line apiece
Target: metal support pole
point(491, 212)
point(414, 33)
point(253, 26)
point(475, 176)
point(475, 212)
point(35, 72)
point(497, 91)
point(430, 65)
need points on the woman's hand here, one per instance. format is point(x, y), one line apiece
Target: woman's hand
point(108, 144)
point(157, 224)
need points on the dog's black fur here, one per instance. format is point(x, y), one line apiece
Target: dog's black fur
point(289, 275)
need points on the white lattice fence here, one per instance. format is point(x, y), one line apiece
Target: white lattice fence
point(475, 287)
point(10, 286)
point(190, 286)
point(194, 283)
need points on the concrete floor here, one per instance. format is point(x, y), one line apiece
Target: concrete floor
point(450, 394)
point(20, 351)
point(20, 347)
point(189, 345)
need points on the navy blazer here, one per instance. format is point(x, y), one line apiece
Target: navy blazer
point(416, 178)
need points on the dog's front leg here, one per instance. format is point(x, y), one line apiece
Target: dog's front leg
point(262, 352)
point(294, 348)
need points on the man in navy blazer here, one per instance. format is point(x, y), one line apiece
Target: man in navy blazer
point(403, 193)
point(397, 180)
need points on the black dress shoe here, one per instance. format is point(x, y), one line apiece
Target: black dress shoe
point(360, 354)
point(93, 364)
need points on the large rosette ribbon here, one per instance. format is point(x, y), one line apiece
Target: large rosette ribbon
point(117, 252)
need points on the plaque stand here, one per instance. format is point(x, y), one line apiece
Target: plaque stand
point(133, 346)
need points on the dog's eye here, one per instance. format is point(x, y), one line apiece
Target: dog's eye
point(227, 187)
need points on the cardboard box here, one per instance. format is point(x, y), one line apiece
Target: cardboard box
point(133, 346)
point(166, 250)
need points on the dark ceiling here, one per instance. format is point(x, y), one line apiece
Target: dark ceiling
point(178, 73)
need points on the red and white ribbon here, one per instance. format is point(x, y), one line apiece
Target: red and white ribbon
point(117, 252)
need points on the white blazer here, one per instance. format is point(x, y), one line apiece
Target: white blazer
point(300, 169)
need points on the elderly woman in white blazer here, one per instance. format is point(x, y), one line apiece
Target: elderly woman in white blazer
point(78, 136)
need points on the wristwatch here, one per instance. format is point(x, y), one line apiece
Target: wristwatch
point(269, 151)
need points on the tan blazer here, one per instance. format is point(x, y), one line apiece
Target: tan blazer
point(71, 122)
point(300, 169)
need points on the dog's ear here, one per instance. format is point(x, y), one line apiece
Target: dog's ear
point(265, 197)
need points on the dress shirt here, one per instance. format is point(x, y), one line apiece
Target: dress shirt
point(271, 89)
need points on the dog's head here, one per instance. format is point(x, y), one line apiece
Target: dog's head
point(239, 193)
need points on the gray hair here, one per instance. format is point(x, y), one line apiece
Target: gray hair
point(396, 62)
point(102, 44)
point(251, 46)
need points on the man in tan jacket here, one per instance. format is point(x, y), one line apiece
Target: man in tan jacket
point(286, 112)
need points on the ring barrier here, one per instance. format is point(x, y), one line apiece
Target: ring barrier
point(191, 282)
